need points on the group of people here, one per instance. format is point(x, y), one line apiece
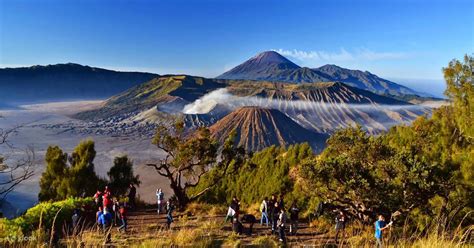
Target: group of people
point(112, 212)
point(273, 213)
point(168, 207)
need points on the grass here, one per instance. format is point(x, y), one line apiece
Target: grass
point(198, 228)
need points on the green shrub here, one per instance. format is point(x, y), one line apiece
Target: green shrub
point(40, 216)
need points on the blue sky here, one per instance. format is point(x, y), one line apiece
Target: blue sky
point(395, 39)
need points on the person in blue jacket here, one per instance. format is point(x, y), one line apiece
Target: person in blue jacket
point(380, 225)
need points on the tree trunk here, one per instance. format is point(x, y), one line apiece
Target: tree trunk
point(181, 196)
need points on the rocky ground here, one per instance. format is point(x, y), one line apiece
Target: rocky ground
point(117, 126)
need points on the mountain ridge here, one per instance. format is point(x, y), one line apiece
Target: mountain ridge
point(278, 70)
point(66, 81)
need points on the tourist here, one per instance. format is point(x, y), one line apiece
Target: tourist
point(160, 196)
point(271, 205)
point(264, 211)
point(275, 216)
point(169, 214)
point(340, 225)
point(98, 198)
point(106, 202)
point(123, 218)
point(380, 225)
point(294, 212)
point(98, 215)
point(75, 220)
point(281, 224)
point(107, 191)
point(233, 209)
point(132, 192)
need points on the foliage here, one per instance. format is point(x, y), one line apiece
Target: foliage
point(460, 89)
point(265, 173)
point(121, 175)
point(69, 176)
point(189, 158)
point(423, 170)
point(41, 216)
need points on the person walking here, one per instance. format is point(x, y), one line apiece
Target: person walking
point(281, 225)
point(160, 196)
point(123, 218)
point(264, 211)
point(380, 225)
point(294, 214)
point(340, 225)
point(132, 193)
point(169, 214)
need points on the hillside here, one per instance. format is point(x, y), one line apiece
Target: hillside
point(258, 128)
point(271, 66)
point(64, 82)
point(168, 93)
point(265, 113)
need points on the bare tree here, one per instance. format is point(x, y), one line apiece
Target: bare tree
point(13, 169)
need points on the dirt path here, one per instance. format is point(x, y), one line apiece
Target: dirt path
point(146, 224)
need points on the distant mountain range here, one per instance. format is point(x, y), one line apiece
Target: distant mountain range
point(64, 82)
point(271, 66)
point(261, 111)
point(268, 99)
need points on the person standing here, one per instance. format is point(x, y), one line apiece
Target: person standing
point(275, 216)
point(132, 193)
point(294, 212)
point(107, 202)
point(123, 218)
point(75, 221)
point(98, 217)
point(264, 211)
point(98, 198)
point(160, 196)
point(169, 214)
point(107, 191)
point(271, 205)
point(281, 202)
point(340, 225)
point(281, 224)
point(380, 225)
point(233, 210)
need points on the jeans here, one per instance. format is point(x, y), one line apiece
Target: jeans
point(264, 216)
point(169, 219)
point(282, 233)
point(124, 225)
point(379, 242)
point(159, 207)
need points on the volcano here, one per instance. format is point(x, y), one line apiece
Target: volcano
point(258, 128)
point(272, 66)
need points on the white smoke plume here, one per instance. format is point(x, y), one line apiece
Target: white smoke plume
point(222, 97)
